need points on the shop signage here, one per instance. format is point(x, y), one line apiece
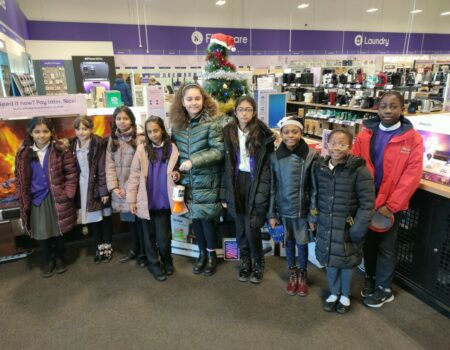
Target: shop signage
point(188, 40)
point(361, 39)
point(34, 106)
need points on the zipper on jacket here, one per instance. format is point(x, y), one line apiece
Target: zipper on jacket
point(51, 190)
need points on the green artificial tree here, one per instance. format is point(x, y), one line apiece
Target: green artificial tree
point(221, 80)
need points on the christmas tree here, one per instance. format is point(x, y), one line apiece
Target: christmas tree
point(220, 77)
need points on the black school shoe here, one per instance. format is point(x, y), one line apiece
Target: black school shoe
point(157, 273)
point(61, 266)
point(48, 270)
point(341, 308)
point(167, 268)
point(131, 255)
point(330, 306)
point(380, 297)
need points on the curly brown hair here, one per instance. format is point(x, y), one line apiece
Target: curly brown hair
point(179, 117)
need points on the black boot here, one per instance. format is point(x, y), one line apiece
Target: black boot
point(245, 268)
point(211, 264)
point(167, 266)
point(61, 266)
point(49, 269)
point(199, 263)
point(258, 271)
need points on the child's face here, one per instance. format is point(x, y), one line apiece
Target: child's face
point(244, 114)
point(338, 147)
point(193, 101)
point(390, 110)
point(123, 121)
point(83, 133)
point(291, 136)
point(155, 133)
point(41, 135)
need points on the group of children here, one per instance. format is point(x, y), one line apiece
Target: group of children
point(235, 167)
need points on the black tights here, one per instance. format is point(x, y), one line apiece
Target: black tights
point(52, 248)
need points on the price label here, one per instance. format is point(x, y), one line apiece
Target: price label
point(389, 87)
point(358, 86)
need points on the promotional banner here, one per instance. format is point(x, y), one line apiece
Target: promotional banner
point(155, 101)
point(34, 106)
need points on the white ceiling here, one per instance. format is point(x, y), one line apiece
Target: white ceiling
point(393, 15)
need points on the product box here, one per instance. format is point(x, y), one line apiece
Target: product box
point(112, 98)
point(180, 228)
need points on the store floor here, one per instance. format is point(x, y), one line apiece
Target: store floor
point(120, 306)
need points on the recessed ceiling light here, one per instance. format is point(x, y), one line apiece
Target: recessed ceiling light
point(416, 11)
point(372, 10)
point(445, 13)
point(220, 2)
point(303, 6)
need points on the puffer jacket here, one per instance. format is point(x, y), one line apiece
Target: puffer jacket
point(137, 182)
point(117, 167)
point(344, 198)
point(258, 200)
point(201, 143)
point(63, 178)
point(291, 181)
point(402, 163)
point(97, 177)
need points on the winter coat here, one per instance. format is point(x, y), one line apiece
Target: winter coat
point(201, 143)
point(117, 167)
point(63, 181)
point(137, 182)
point(97, 177)
point(342, 196)
point(258, 199)
point(291, 181)
point(402, 164)
point(125, 91)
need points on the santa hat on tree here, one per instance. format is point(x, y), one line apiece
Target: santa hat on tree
point(223, 40)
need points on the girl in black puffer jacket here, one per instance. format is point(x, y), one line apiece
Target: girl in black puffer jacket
point(342, 202)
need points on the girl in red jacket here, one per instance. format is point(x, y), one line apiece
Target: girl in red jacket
point(46, 180)
point(393, 152)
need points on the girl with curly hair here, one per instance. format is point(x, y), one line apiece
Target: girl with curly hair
point(198, 136)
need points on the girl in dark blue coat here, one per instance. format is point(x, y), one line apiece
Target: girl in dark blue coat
point(342, 202)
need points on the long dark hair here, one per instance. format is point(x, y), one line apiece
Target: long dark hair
point(115, 140)
point(165, 138)
point(29, 141)
point(257, 130)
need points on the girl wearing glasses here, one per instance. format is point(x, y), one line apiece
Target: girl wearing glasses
point(290, 168)
point(198, 136)
point(246, 184)
point(342, 200)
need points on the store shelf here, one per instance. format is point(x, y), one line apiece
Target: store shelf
point(435, 188)
point(318, 105)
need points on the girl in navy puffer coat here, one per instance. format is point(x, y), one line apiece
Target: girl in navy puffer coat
point(342, 202)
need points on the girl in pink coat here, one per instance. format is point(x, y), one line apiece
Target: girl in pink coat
point(149, 194)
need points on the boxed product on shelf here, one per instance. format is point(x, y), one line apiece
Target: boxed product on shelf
point(112, 98)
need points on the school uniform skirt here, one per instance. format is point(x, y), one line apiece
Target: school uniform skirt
point(43, 220)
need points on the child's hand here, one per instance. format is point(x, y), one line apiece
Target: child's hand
point(312, 226)
point(105, 199)
point(133, 208)
point(175, 176)
point(273, 222)
point(186, 165)
point(119, 192)
point(224, 204)
point(385, 212)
